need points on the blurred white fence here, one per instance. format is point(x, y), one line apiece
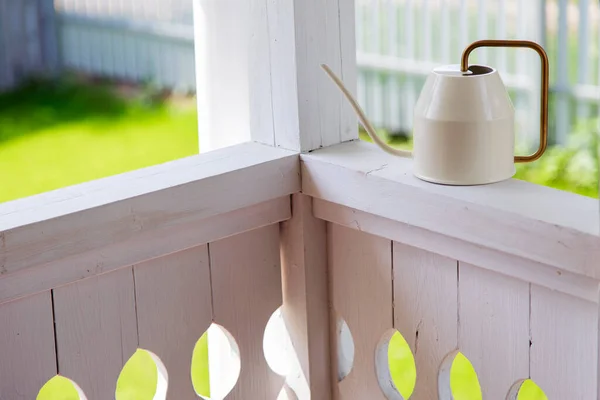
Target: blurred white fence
point(398, 43)
point(135, 40)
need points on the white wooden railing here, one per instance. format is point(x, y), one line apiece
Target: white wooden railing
point(507, 274)
point(331, 230)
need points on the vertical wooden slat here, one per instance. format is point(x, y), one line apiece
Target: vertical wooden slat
point(494, 328)
point(425, 311)
point(409, 87)
point(361, 293)
point(391, 103)
point(96, 330)
point(562, 75)
point(501, 34)
point(445, 32)
point(246, 280)
point(463, 26)
point(374, 86)
point(173, 300)
point(426, 12)
point(482, 29)
point(305, 297)
point(564, 349)
point(583, 55)
point(27, 350)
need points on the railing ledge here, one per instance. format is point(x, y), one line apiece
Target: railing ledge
point(517, 218)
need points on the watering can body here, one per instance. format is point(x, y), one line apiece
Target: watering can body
point(464, 128)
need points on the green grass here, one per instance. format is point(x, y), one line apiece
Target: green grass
point(58, 134)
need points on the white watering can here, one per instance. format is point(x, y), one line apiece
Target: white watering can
point(464, 122)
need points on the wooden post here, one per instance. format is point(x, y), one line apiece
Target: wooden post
point(221, 43)
point(290, 41)
point(306, 300)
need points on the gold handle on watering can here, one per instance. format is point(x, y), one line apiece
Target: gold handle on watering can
point(464, 65)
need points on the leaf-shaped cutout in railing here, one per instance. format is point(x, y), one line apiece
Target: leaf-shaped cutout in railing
point(458, 379)
point(395, 366)
point(215, 366)
point(143, 377)
point(277, 345)
point(526, 390)
point(345, 348)
point(60, 388)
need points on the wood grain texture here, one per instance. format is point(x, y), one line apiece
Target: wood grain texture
point(564, 349)
point(96, 331)
point(305, 298)
point(74, 220)
point(361, 293)
point(514, 217)
point(307, 108)
point(259, 70)
point(246, 279)
point(504, 263)
point(425, 311)
point(494, 328)
point(174, 309)
point(284, 87)
point(26, 346)
point(142, 247)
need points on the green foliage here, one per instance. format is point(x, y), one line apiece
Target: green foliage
point(574, 168)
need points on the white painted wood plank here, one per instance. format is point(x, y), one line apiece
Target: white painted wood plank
point(425, 311)
point(174, 309)
point(143, 246)
point(114, 209)
point(222, 60)
point(506, 264)
point(361, 293)
point(564, 350)
point(261, 104)
point(305, 298)
point(284, 90)
point(349, 71)
point(96, 331)
point(494, 328)
point(26, 346)
point(246, 282)
point(513, 217)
